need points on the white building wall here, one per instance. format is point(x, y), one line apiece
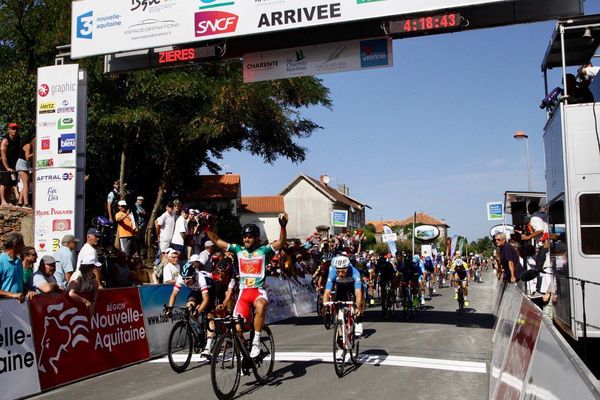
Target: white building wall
point(307, 208)
point(268, 224)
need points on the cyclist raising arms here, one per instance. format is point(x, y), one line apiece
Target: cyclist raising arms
point(252, 263)
point(348, 281)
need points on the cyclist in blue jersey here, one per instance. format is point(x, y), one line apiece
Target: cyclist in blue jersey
point(418, 265)
point(348, 283)
point(430, 270)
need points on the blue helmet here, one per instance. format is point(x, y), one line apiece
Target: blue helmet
point(416, 258)
point(187, 270)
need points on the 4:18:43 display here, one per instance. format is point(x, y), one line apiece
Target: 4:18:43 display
point(431, 22)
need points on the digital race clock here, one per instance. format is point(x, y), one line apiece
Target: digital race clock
point(425, 23)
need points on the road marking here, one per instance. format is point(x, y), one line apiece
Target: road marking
point(371, 359)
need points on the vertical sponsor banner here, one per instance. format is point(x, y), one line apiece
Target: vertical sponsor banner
point(154, 297)
point(453, 245)
point(18, 367)
point(56, 154)
point(72, 344)
point(281, 301)
point(391, 244)
point(304, 295)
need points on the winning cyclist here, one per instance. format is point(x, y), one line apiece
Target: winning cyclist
point(252, 262)
point(461, 273)
point(348, 282)
point(201, 298)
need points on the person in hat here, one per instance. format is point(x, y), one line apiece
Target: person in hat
point(171, 269)
point(88, 252)
point(141, 217)
point(83, 284)
point(126, 228)
point(43, 280)
point(111, 201)
point(205, 257)
point(10, 146)
point(65, 260)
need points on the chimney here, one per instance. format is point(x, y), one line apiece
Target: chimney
point(344, 189)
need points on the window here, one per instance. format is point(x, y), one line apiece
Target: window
point(589, 222)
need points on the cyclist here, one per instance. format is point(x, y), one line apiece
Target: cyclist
point(419, 265)
point(348, 282)
point(201, 298)
point(461, 273)
point(386, 272)
point(409, 271)
point(252, 263)
point(429, 270)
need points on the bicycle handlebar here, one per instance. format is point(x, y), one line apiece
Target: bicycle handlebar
point(328, 303)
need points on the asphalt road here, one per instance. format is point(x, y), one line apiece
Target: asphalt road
point(438, 355)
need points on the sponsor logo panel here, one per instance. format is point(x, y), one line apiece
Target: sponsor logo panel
point(214, 23)
point(373, 53)
point(67, 143)
point(47, 107)
point(87, 24)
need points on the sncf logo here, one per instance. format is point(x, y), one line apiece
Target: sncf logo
point(214, 23)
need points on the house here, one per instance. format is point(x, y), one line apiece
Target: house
point(310, 202)
point(422, 219)
point(263, 211)
point(220, 191)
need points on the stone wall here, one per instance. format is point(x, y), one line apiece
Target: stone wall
point(19, 219)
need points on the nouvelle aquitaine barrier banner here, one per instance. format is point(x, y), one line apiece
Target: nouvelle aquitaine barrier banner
point(304, 295)
point(18, 366)
point(72, 344)
point(281, 301)
point(154, 297)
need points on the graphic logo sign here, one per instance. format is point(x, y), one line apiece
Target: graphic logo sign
point(214, 22)
point(45, 144)
point(85, 25)
point(65, 123)
point(66, 143)
point(374, 53)
point(47, 107)
point(43, 90)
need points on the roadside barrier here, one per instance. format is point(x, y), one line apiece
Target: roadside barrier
point(530, 358)
point(52, 341)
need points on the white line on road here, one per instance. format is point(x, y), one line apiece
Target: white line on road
point(372, 359)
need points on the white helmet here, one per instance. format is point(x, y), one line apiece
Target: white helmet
point(341, 262)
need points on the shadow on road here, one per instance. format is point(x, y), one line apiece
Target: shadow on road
point(291, 371)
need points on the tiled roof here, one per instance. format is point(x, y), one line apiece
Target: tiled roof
point(262, 204)
point(216, 187)
point(422, 219)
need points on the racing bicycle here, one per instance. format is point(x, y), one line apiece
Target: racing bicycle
point(344, 337)
point(409, 299)
point(460, 295)
point(187, 336)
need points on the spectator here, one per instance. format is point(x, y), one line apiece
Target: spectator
point(177, 208)
point(538, 226)
point(28, 258)
point(65, 260)
point(179, 234)
point(84, 281)
point(142, 219)
point(126, 228)
point(578, 92)
point(171, 269)
point(509, 259)
point(11, 268)
point(205, 257)
point(143, 274)
point(120, 271)
point(88, 252)
point(111, 201)
point(43, 281)
point(23, 167)
point(192, 227)
point(165, 226)
point(9, 154)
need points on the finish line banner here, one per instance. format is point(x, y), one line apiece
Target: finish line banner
point(319, 59)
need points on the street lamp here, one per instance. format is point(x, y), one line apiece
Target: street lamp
point(520, 135)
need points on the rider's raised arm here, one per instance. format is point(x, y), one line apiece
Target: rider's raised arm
point(281, 242)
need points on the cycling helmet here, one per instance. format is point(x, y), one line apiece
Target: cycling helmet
point(187, 271)
point(458, 262)
point(341, 262)
point(427, 258)
point(250, 229)
point(416, 258)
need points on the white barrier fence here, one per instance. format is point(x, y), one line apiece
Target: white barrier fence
point(530, 359)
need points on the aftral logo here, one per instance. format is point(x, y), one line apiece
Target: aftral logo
point(85, 25)
point(45, 144)
point(67, 176)
point(66, 143)
point(215, 3)
point(65, 123)
point(48, 107)
point(373, 53)
point(214, 23)
point(43, 90)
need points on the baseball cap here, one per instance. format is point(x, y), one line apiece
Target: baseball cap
point(172, 251)
point(13, 125)
point(140, 197)
point(69, 238)
point(208, 243)
point(194, 258)
point(122, 203)
point(93, 231)
point(185, 210)
point(48, 260)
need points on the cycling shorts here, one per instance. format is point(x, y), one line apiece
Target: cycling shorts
point(246, 301)
point(196, 297)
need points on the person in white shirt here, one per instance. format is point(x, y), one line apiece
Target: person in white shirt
point(88, 252)
point(205, 257)
point(171, 269)
point(179, 234)
point(165, 227)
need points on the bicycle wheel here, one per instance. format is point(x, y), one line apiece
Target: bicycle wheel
point(354, 347)
point(430, 289)
point(338, 364)
point(181, 344)
point(319, 303)
point(265, 361)
point(225, 367)
point(461, 301)
point(327, 318)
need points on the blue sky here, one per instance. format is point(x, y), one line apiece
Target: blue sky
point(434, 133)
